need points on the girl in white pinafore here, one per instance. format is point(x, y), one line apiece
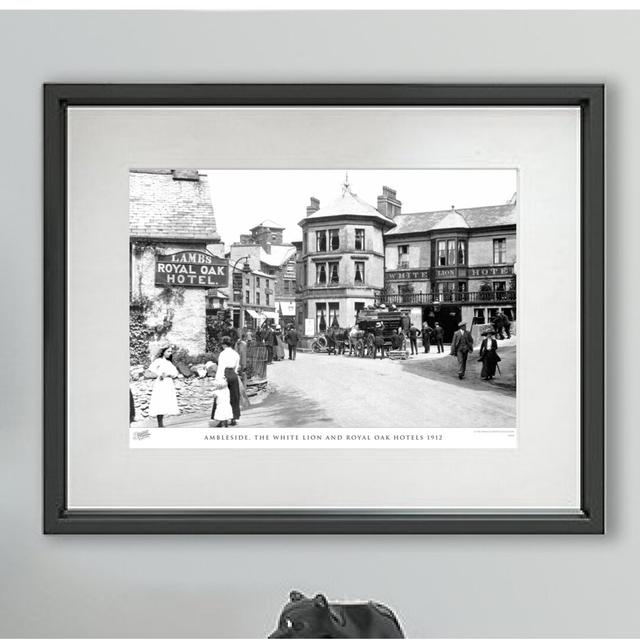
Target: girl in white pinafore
point(163, 395)
point(224, 411)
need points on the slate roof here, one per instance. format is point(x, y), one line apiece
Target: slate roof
point(348, 204)
point(475, 217)
point(161, 207)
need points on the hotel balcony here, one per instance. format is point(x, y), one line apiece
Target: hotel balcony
point(482, 298)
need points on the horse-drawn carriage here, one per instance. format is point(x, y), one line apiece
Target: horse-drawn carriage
point(369, 322)
point(360, 340)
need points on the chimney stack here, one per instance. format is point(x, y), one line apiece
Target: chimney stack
point(388, 205)
point(313, 207)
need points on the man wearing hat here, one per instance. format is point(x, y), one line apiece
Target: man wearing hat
point(489, 355)
point(461, 347)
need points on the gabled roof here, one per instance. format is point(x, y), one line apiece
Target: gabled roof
point(475, 217)
point(268, 223)
point(280, 254)
point(164, 205)
point(348, 204)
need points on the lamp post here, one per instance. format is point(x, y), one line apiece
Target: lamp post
point(246, 269)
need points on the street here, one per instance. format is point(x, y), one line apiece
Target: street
point(321, 390)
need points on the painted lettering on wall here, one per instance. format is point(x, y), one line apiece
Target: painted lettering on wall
point(191, 269)
point(483, 272)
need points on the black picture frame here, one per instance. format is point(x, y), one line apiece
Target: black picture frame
point(59, 519)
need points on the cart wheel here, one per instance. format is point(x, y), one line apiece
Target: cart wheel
point(315, 347)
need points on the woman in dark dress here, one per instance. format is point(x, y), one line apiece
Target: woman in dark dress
point(489, 355)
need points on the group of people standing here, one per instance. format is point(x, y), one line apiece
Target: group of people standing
point(228, 387)
point(274, 339)
point(226, 384)
point(462, 346)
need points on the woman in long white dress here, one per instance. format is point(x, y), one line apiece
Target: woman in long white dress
point(163, 394)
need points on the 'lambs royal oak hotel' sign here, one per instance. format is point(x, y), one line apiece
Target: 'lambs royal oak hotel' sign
point(191, 269)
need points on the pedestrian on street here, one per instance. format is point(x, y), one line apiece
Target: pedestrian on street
point(427, 332)
point(278, 347)
point(228, 366)
point(498, 325)
point(163, 394)
point(378, 341)
point(489, 355)
point(414, 332)
point(292, 342)
point(396, 339)
point(241, 348)
point(506, 323)
point(461, 347)
point(269, 340)
point(438, 333)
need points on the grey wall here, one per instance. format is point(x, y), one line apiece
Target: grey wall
point(233, 586)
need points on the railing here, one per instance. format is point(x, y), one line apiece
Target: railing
point(469, 297)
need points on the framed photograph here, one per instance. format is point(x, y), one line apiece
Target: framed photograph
point(324, 308)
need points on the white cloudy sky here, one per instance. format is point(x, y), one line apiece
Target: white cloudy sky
point(242, 199)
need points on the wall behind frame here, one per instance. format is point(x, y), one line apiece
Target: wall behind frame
point(233, 587)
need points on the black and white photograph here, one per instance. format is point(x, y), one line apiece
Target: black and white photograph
point(323, 308)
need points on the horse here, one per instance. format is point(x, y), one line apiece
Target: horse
point(354, 336)
point(338, 337)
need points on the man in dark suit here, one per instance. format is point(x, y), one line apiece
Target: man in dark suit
point(461, 347)
point(269, 341)
point(292, 341)
point(427, 332)
point(438, 333)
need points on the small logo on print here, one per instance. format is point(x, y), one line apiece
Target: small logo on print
point(141, 435)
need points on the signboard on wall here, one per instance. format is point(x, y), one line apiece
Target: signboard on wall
point(405, 274)
point(484, 272)
point(309, 326)
point(191, 269)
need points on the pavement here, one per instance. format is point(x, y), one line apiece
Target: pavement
point(321, 390)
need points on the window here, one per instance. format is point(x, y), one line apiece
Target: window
point(334, 314)
point(321, 319)
point(359, 276)
point(266, 299)
point(358, 307)
point(248, 282)
point(334, 239)
point(305, 275)
point(246, 297)
point(403, 256)
point(321, 240)
point(257, 297)
point(462, 252)
point(257, 281)
point(359, 239)
point(499, 250)
point(442, 253)
point(334, 277)
point(478, 316)
point(500, 289)
point(451, 252)
point(321, 273)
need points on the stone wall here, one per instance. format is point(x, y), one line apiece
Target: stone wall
point(194, 395)
point(172, 314)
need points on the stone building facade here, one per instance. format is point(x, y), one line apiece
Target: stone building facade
point(452, 266)
point(272, 262)
point(341, 266)
point(170, 212)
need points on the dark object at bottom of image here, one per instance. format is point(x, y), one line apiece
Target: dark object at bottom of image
point(304, 617)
